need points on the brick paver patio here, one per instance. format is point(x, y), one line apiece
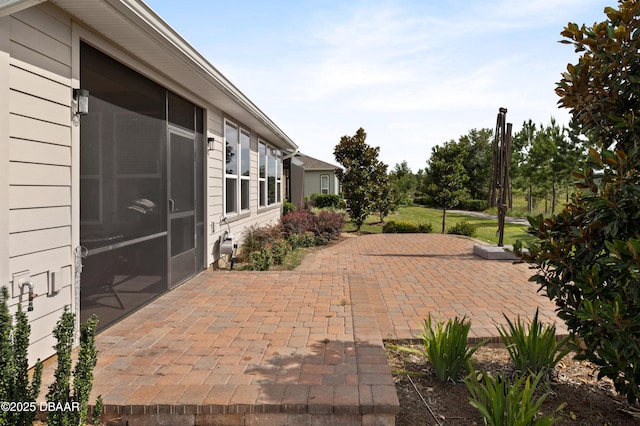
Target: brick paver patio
point(303, 346)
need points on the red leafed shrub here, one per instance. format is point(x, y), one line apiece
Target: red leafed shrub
point(329, 225)
point(298, 222)
point(326, 225)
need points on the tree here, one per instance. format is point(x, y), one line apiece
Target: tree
point(361, 177)
point(601, 90)
point(446, 178)
point(404, 184)
point(522, 170)
point(588, 256)
point(477, 149)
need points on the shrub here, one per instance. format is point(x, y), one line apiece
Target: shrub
point(423, 201)
point(14, 364)
point(473, 205)
point(260, 260)
point(587, 261)
point(425, 228)
point(405, 227)
point(298, 222)
point(288, 207)
point(587, 255)
point(463, 228)
point(306, 239)
point(279, 250)
point(328, 226)
point(534, 350)
point(389, 227)
point(60, 389)
point(502, 403)
point(322, 201)
point(256, 238)
point(445, 346)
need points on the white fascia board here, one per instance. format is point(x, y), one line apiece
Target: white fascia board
point(7, 7)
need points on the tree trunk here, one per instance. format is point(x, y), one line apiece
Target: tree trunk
point(553, 194)
point(444, 218)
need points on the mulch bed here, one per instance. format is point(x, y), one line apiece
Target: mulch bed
point(588, 401)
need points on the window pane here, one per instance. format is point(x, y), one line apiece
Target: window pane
point(181, 112)
point(231, 154)
point(271, 171)
point(244, 184)
point(182, 230)
point(244, 154)
point(182, 182)
point(231, 195)
point(263, 193)
point(262, 159)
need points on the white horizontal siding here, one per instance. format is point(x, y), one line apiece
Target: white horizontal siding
point(37, 130)
point(37, 152)
point(39, 174)
point(22, 243)
point(37, 85)
point(42, 109)
point(40, 159)
point(35, 33)
point(41, 261)
point(28, 197)
point(41, 218)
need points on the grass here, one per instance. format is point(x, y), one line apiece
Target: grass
point(486, 228)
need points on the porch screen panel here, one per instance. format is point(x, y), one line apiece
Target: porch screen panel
point(123, 217)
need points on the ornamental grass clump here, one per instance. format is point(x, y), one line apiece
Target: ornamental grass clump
point(534, 349)
point(505, 403)
point(445, 347)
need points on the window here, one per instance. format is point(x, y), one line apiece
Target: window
point(262, 173)
point(324, 184)
point(245, 170)
point(278, 177)
point(270, 175)
point(231, 167)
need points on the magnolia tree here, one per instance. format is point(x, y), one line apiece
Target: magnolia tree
point(364, 177)
point(588, 256)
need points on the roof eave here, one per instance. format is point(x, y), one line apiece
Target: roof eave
point(160, 32)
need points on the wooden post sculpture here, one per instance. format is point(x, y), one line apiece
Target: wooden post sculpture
point(500, 184)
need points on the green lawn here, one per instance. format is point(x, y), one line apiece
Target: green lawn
point(486, 228)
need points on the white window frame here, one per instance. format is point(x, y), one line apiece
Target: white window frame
point(263, 149)
point(264, 158)
point(238, 177)
point(322, 187)
point(244, 178)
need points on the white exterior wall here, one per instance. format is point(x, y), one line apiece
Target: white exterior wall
point(39, 166)
point(40, 161)
point(237, 223)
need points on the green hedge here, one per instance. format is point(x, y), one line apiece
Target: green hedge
point(405, 227)
point(322, 201)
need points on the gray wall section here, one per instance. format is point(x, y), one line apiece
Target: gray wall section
point(312, 182)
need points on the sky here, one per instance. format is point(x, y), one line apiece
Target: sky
point(412, 73)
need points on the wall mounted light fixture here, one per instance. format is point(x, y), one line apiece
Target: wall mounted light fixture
point(81, 96)
point(210, 144)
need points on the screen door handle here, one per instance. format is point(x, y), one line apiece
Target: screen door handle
point(172, 205)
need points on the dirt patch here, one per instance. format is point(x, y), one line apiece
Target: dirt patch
point(588, 401)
